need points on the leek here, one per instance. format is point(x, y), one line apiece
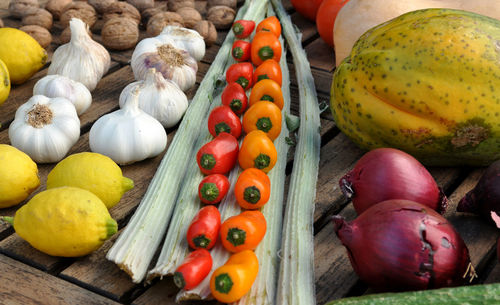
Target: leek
point(175, 248)
point(296, 277)
point(136, 245)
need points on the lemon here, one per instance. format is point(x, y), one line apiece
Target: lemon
point(65, 221)
point(18, 176)
point(94, 172)
point(21, 53)
point(4, 82)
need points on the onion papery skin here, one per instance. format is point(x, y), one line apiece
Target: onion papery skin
point(388, 173)
point(485, 196)
point(400, 245)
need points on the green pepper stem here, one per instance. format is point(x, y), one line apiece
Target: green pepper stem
point(8, 219)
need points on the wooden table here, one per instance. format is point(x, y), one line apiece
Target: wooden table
point(28, 276)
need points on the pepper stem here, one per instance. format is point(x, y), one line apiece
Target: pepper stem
point(238, 52)
point(179, 280)
point(262, 161)
point(264, 124)
point(222, 127)
point(261, 77)
point(236, 236)
point(238, 28)
point(209, 191)
point(201, 241)
point(251, 194)
point(243, 82)
point(223, 283)
point(267, 97)
point(266, 53)
point(207, 161)
point(235, 105)
point(7, 219)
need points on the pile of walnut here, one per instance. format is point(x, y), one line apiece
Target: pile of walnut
point(119, 22)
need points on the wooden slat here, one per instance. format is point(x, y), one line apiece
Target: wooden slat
point(321, 55)
point(22, 284)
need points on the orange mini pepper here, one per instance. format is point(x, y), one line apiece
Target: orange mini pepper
point(265, 46)
point(265, 116)
point(252, 189)
point(266, 90)
point(270, 24)
point(231, 281)
point(258, 151)
point(269, 69)
point(243, 231)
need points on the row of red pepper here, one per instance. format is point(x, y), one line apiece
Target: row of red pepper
point(257, 155)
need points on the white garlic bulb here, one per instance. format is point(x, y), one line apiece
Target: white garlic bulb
point(81, 59)
point(128, 134)
point(158, 97)
point(186, 39)
point(45, 128)
point(173, 63)
point(61, 86)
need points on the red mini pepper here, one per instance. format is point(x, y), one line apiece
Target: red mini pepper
point(241, 73)
point(223, 119)
point(213, 188)
point(219, 155)
point(204, 228)
point(241, 50)
point(235, 97)
point(243, 28)
point(195, 267)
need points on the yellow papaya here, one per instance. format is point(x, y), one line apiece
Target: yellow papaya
point(426, 82)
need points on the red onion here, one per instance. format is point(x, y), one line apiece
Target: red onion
point(485, 196)
point(399, 245)
point(387, 173)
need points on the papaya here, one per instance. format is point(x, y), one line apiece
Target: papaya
point(426, 82)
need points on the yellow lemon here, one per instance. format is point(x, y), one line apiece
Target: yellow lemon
point(18, 176)
point(94, 172)
point(4, 82)
point(65, 221)
point(21, 53)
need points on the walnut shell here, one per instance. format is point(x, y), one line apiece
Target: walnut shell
point(65, 36)
point(150, 12)
point(81, 10)
point(201, 7)
point(121, 9)
point(56, 7)
point(20, 8)
point(207, 31)
point(41, 17)
point(120, 33)
point(142, 4)
point(160, 20)
point(174, 5)
point(101, 5)
point(229, 3)
point(221, 16)
point(190, 16)
point(41, 34)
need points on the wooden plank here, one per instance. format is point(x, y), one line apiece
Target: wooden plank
point(22, 284)
point(321, 55)
point(306, 26)
point(494, 276)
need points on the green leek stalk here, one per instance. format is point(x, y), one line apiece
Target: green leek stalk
point(136, 245)
point(296, 277)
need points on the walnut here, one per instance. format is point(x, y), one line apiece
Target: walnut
point(150, 12)
point(160, 20)
point(142, 4)
point(201, 7)
point(120, 33)
point(41, 34)
point(207, 31)
point(122, 9)
point(41, 17)
point(190, 16)
point(101, 5)
point(229, 3)
point(174, 5)
point(81, 10)
point(221, 16)
point(65, 36)
point(20, 8)
point(56, 7)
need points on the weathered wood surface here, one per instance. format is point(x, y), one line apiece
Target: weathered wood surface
point(28, 276)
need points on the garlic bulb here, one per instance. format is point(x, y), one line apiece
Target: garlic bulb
point(160, 98)
point(186, 39)
point(128, 134)
point(81, 59)
point(45, 128)
point(61, 86)
point(173, 63)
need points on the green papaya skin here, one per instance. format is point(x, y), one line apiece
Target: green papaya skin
point(426, 82)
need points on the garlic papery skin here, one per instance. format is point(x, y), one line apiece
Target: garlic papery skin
point(45, 128)
point(158, 97)
point(128, 134)
point(82, 59)
point(186, 39)
point(62, 86)
point(173, 63)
